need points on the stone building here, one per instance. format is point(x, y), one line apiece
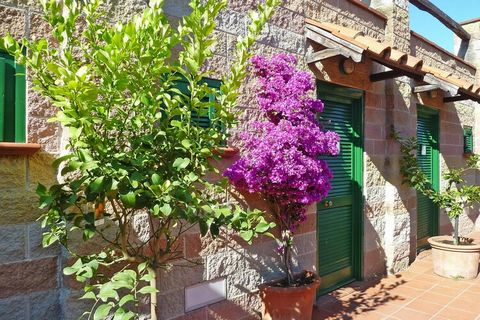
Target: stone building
point(374, 74)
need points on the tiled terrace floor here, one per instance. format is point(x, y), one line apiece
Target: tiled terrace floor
point(414, 294)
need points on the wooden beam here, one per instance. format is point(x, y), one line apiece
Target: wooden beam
point(322, 54)
point(386, 75)
point(429, 7)
point(330, 41)
point(444, 85)
point(459, 97)
point(428, 87)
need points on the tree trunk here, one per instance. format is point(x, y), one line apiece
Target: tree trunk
point(153, 295)
point(287, 262)
point(455, 235)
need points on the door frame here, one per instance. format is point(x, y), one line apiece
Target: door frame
point(330, 91)
point(435, 167)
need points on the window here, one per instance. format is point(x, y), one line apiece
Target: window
point(467, 140)
point(202, 120)
point(12, 100)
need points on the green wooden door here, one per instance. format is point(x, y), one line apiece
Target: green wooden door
point(428, 160)
point(339, 216)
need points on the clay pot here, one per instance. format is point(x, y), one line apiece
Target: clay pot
point(288, 303)
point(454, 261)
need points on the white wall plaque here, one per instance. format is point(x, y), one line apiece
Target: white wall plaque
point(205, 293)
point(424, 150)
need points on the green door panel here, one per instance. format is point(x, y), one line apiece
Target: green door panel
point(339, 216)
point(428, 160)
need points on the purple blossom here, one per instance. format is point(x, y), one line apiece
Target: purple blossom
point(280, 156)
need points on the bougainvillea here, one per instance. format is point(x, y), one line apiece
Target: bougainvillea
point(280, 156)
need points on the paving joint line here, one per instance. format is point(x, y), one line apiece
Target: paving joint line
point(438, 312)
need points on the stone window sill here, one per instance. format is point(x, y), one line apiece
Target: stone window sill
point(18, 149)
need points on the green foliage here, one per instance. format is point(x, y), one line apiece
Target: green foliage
point(133, 145)
point(456, 196)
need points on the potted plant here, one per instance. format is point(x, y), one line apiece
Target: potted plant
point(134, 178)
point(453, 256)
point(280, 162)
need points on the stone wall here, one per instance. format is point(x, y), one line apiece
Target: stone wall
point(390, 208)
point(30, 287)
point(437, 57)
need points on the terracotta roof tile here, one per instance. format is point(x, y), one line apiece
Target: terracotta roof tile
point(414, 62)
point(350, 32)
point(398, 56)
point(374, 46)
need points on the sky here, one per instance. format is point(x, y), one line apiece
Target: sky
point(432, 29)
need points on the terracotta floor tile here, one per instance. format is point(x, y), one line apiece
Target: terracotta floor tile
point(369, 316)
point(424, 306)
point(404, 292)
point(457, 314)
point(420, 284)
point(389, 308)
point(433, 278)
point(433, 297)
point(320, 314)
point(415, 294)
point(474, 290)
point(471, 304)
point(409, 314)
point(457, 283)
point(447, 291)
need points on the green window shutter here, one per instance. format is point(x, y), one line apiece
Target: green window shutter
point(467, 140)
point(203, 119)
point(12, 100)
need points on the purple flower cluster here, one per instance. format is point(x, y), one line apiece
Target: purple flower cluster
point(280, 157)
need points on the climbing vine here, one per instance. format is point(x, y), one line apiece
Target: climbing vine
point(455, 197)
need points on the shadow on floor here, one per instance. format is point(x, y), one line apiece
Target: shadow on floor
point(358, 298)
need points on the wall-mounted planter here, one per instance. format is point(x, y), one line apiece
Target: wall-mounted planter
point(454, 261)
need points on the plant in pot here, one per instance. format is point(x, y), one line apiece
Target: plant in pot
point(453, 256)
point(133, 180)
point(280, 163)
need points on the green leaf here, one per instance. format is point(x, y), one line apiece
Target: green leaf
point(156, 179)
point(107, 292)
point(119, 314)
point(181, 163)
point(56, 163)
point(142, 266)
point(166, 209)
point(147, 277)
point(97, 184)
point(247, 235)
point(176, 123)
point(186, 143)
point(129, 199)
point(147, 290)
point(102, 312)
point(262, 227)
point(89, 295)
point(125, 299)
point(69, 271)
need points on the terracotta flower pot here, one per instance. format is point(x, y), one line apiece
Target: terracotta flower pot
point(288, 303)
point(455, 261)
